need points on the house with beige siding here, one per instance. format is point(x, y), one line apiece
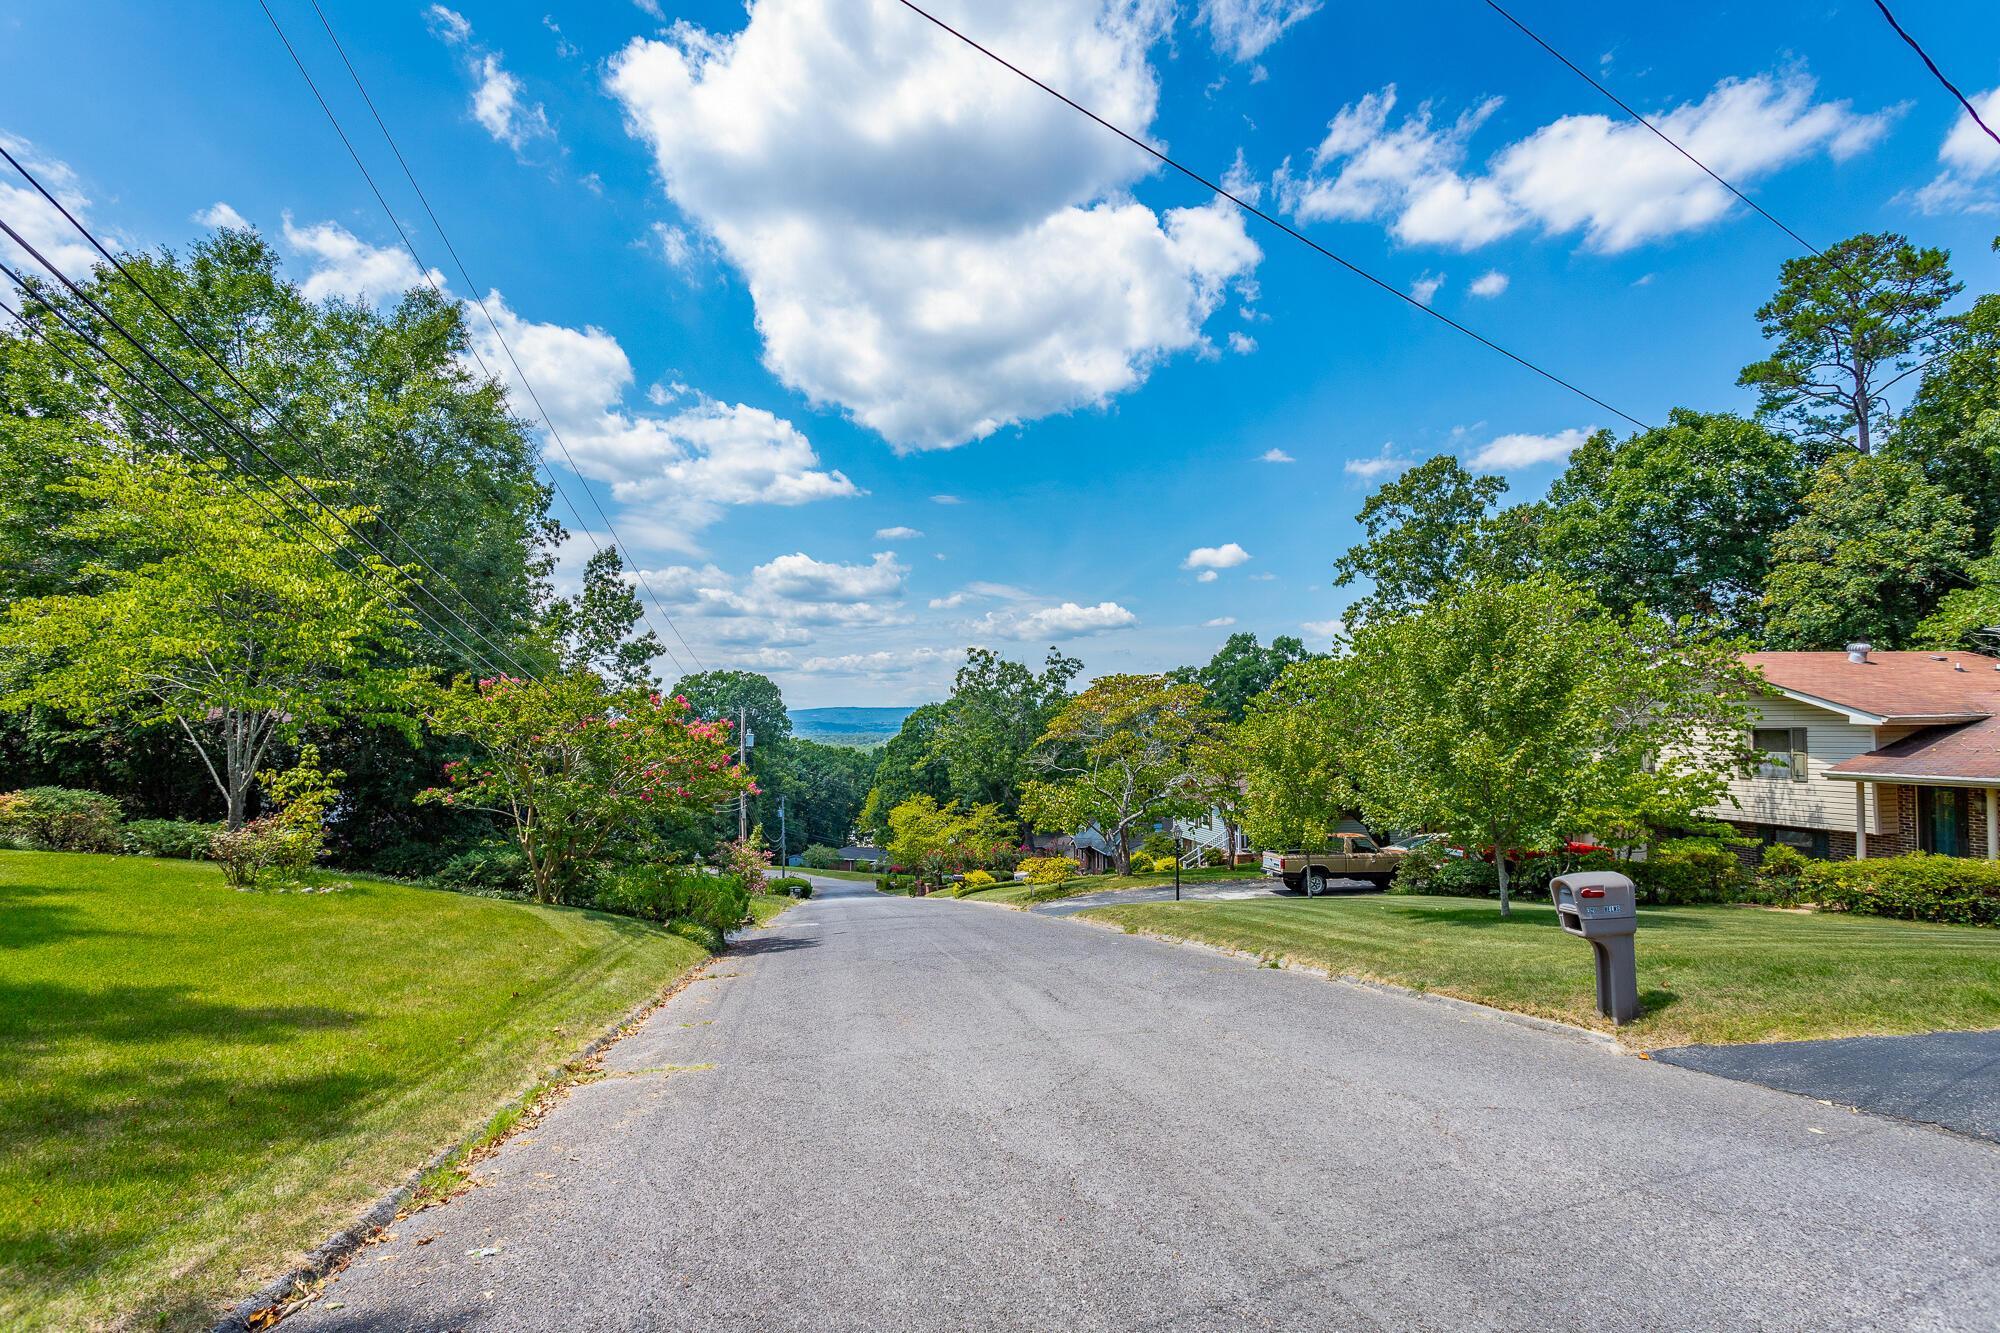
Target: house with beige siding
point(1874, 754)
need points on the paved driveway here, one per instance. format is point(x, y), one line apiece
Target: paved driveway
point(1936, 1078)
point(887, 1114)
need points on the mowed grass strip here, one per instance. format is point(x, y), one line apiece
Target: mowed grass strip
point(1706, 974)
point(198, 1084)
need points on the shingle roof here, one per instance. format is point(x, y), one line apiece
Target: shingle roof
point(1896, 687)
point(1967, 752)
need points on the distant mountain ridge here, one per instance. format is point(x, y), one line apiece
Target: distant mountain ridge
point(862, 727)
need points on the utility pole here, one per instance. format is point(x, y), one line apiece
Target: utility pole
point(742, 760)
point(784, 855)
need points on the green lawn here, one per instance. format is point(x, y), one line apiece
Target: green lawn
point(1706, 974)
point(867, 876)
point(198, 1084)
point(1018, 894)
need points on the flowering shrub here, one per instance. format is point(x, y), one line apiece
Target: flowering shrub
point(748, 859)
point(61, 819)
point(569, 761)
point(289, 838)
point(979, 879)
point(1050, 869)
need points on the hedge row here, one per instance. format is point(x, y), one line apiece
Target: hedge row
point(1917, 887)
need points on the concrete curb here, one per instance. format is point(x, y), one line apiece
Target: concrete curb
point(326, 1256)
point(1602, 1041)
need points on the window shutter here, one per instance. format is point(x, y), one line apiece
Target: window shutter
point(1799, 773)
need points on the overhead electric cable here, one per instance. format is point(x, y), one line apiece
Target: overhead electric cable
point(1970, 110)
point(1661, 134)
point(146, 351)
point(277, 420)
point(547, 423)
point(1260, 214)
point(427, 623)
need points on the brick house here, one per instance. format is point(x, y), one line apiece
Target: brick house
point(1874, 754)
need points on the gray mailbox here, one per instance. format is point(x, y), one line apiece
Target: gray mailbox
point(1599, 906)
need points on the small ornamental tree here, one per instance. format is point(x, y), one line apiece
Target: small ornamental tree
point(940, 839)
point(570, 761)
point(225, 621)
point(747, 859)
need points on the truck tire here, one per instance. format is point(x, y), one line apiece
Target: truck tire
point(1315, 882)
point(1289, 881)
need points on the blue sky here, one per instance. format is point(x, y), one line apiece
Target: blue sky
point(800, 281)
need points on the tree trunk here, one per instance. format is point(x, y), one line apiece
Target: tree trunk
point(1861, 411)
point(1500, 869)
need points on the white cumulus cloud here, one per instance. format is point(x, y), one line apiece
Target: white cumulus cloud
point(929, 242)
point(1491, 283)
point(1376, 465)
point(1226, 556)
point(342, 264)
point(220, 214)
point(1245, 29)
point(1324, 629)
point(1610, 178)
point(1275, 456)
point(1506, 452)
point(1968, 179)
point(896, 534)
point(1220, 622)
point(1054, 622)
point(499, 102)
point(39, 224)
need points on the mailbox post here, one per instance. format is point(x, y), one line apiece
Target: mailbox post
point(1600, 907)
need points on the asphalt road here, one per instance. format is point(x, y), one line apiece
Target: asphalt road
point(885, 1114)
point(1936, 1078)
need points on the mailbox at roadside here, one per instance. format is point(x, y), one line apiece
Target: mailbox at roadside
point(1599, 906)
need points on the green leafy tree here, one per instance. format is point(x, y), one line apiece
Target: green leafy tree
point(594, 630)
point(1874, 549)
point(1849, 323)
point(1507, 716)
point(1679, 519)
point(1241, 670)
point(719, 694)
point(1952, 426)
point(570, 762)
point(937, 839)
point(1967, 616)
point(996, 714)
point(1298, 742)
point(226, 623)
point(1118, 758)
point(1431, 531)
point(906, 768)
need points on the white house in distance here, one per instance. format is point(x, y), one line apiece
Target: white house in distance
point(1874, 754)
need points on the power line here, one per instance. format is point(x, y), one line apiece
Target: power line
point(144, 350)
point(547, 423)
point(1261, 215)
point(427, 623)
point(276, 419)
point(1953, 88)
point(1661, 134)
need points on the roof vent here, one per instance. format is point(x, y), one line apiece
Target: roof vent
point(1958, 666)
point(1858, 652)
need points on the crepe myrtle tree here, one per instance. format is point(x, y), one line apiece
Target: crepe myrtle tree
point(570, 760)
point(222, 618)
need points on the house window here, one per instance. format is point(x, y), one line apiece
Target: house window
point(1816, 843)
point(1782, 752)
point(1941, 820)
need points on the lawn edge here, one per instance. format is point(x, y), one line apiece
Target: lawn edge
point(283, 1294)
point(1604, 1041)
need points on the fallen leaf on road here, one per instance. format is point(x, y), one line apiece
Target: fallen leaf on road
point(483, 1254)
point(426, 1240)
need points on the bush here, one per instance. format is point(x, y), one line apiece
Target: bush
point(1916, 887)
point(979, 879)
point(485, 872)
point(820, 857)
point(1695, 875)
point(792, 884)
point(1158, 843)
point(1212, 857)
point(181, 838)
point(1050, 869)
point(62, 819)
point(1428, 870)
point(716, 903)
point(262, 844)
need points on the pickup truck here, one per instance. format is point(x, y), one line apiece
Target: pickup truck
point(1350, 856)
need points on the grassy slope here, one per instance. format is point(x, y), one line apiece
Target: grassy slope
point(1706, 974)
point(1017, 894)
point(196, 1084)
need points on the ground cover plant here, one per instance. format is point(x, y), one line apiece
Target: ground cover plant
point(197, 1083)
point(1706, 974)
